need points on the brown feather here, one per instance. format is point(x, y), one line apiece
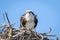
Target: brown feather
point(23, 21)
point(35, 21)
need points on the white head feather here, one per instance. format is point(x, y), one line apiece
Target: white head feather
point(28, 11)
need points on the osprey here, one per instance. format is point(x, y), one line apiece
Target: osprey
point(28, 20)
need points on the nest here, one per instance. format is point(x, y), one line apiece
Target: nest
point(22, 35)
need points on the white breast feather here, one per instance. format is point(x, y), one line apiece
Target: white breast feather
point(30, 24)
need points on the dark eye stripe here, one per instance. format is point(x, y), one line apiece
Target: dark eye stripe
point(33, 13)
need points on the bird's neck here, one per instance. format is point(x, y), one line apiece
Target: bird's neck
point(29, 16)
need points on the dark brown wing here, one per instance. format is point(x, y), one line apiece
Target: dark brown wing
point(35, 21)
point(23, 21)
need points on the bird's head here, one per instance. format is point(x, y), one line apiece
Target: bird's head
point(29, 12)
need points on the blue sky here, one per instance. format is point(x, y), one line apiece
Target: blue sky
point(47, 11)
